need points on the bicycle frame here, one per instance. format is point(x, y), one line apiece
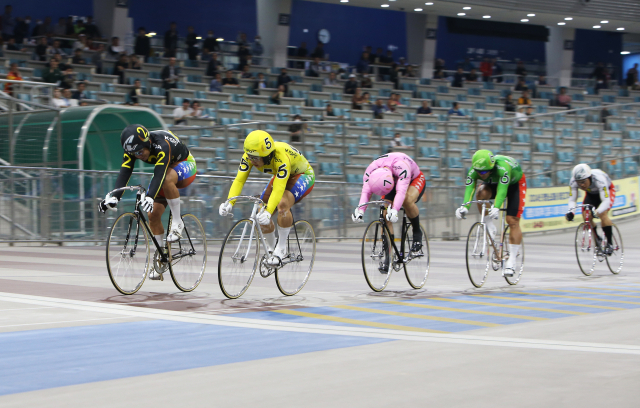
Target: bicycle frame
point(588, 221)
point(502, 222)
point(405, 227)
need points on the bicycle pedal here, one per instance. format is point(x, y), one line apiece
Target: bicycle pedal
point(155, 275)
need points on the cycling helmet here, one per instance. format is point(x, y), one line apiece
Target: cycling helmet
point(483, 160)
point(381, 181)
point(134, 138)
point(581, 172)
point(259, 143)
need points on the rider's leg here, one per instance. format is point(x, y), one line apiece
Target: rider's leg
point(515, 233)
point(606, 223)
point(484, 192)
point(413, 212)
point(155, 221)
point(285, 221)
point(171, 193)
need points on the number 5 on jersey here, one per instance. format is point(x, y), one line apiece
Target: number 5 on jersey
point(282, 171)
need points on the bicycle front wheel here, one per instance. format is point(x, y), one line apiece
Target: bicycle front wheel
point(519, 262)
point(616, 259)
point(377, 253)
point(585, 248)
point(128, 254)
point(238, 259)
point(478, 254)
point(416, 267)
point(301, 248)
point(188, 256)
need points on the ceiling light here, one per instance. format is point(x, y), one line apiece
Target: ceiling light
point(220, 39)
point(462, 14)
point(344, 1)
point(604, 22)
point(562, 23)
point(418, 9)
point(198, 38)
point(524, 20)
point(428, 4)
point(151, 34)
point(625, 52)
point(597, 26)
point(486, 16)
point(466, 8)
point(620, 28)
point(384, 5)
point(568, 18)
point(531, 15)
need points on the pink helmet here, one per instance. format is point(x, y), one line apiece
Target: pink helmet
point(381, 181)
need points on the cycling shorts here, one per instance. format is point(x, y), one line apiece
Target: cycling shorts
point(186, 170)
point(516, 195)
point(594, 199)
point(300, 185)
point(419, 182)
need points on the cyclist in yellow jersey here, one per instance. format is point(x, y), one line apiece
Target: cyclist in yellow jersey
point(293, 178)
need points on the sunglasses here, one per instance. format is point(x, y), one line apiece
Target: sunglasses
point(483, 172)
point(253, 158)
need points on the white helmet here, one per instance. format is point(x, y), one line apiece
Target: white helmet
point(581, 172)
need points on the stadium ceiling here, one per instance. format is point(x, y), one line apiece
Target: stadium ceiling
point(608, 15)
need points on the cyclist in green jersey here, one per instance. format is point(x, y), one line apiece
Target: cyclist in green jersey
point(502, 178)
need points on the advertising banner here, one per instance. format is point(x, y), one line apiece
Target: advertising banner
point(546, 207)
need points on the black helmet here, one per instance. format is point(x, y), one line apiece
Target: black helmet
point(134, 138)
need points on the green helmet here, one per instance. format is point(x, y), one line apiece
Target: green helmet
point(483, 160)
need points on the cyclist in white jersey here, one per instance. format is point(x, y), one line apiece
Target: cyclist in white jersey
point(599, 192)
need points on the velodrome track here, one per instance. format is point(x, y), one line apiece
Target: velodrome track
point(558, 338)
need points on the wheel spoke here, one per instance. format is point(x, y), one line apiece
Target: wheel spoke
point(238, 259)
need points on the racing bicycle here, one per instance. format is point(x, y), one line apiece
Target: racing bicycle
point(129, 257)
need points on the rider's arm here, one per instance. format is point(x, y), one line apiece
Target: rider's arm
point(605, 203)
point(126, 170)
point(573, 194)
point(472, 178)
point(503, 185)
point(160, 169)
point(402, 185)
point(283, 172)
point(366, 192)
point(243, 173)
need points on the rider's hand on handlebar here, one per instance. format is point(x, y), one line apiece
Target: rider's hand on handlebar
point(461, 212)
point(494, 213)
point(357, 216)
point(109, 203)
point(264, 218)
point(225, 209)
point(392, 215)
point(569, 216)
point(146, 203)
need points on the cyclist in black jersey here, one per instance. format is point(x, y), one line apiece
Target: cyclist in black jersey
point(175, 168)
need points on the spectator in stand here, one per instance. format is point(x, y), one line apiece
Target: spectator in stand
point(391, 104)
point(7, 22)
point(192, 43)
point(486, 68)
point(241, 39)
point(378, 57)
point(521, 85)
point(120, 66)
point(142, 45)
point(524, 99)
point(357, 100)
point(244, 55)
point(211, 43)
point(57, 101)
point(11, 44)
point(458, 78)
point(79, 27)
point(467, 65)
point(497, 70)
point(563, 99)
point(541, 80)
point(387, 59)
point(198, 112)
point(632, 76)
point(90, 28)
point(68, 99)
point(81, 43)
point(137, 90)
point(472, 76)
point(81, 94)
point(115, 48)
point(60, 29)
point(69, 28)
point(379, 109)
point(319, 51)
point(92, 45)
point(604, 113)
point(284, 79)
point(329, 114)
point(229, 79)
point(181, 114)
point(394, 73)
point(260, 83)
point(366, 101)
point(134, 62)
point(520, 69)
point(439, 64)
point(41, 49)
point(296, 129)
point(257, 50)
point(351, 85)
point(522, 115)
point(366, 81)
point(455, 111)
point(362, 67)
point(171, 41)
point(78, 58)
point(410, 72)
point(55, 49)
point(301, 52)
point(279, 94)
point(21, 30)
point(13, 75)
point(245, 73)
point(43, 29)
point(509, 106)
point(63, 67)
point(439, 74)
point(424, 109)
point(216, 83)
point(396, 142)
point(331, 80)
point(68, 79)
point(98, 57)
point(314, 68)
point(213, 66)
point(170, 75)
point(52, 73)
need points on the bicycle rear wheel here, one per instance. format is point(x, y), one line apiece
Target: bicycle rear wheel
point(238, 259)
point(377, 254)
point(128, 254)
point(616, 259)
point(416, 269)
point(188, 256)
point(585, 248)
point(519, 263)
point(301, 245)
point(478, 254)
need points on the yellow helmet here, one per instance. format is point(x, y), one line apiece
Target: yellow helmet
point(259, 143)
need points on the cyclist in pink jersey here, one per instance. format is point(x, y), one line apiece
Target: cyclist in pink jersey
point(396, 178)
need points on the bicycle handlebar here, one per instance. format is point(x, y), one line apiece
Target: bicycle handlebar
point(253, 199)
point(381, 202)
point(129, 188)
point(584, 206)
